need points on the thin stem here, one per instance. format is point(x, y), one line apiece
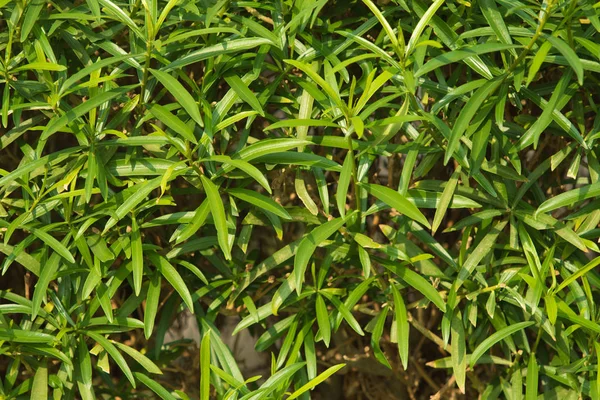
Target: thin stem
point(426, 332)
point(354, 179)
point(136, 7)
point(149, 45)
point(473, 295)
point(538, 32)
point(537, 342)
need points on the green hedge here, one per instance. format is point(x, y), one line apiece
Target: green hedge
point(418, 178)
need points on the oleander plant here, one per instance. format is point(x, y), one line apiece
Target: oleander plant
point(391, 199)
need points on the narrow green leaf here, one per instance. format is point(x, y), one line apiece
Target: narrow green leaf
point(531, 383)
point(275, 381)
point(269, 146)
point(22, 258)
point(344, 183)
point(345, 312)
point(371, 47)
point(402, 326)
point(597, 350)
point(447, 361)
point(218, 212)
point(40, 66)
point(33, 165)
point(242, 90)
point(170, 120)
point(565, 311)
point(21, 336)
point(225, 47)
point(551, 309)
point(397, 201)
point(497, 337)
point(322, 187)
point(460, 54)
point(39, 387)
point(32, 14)
point(468, 112)
point(480, 143)
point(372, 86)
point(570, 198)
point(122, 16)
point(278, 257)
point(137, 256)
point(99, 247)
point(314, 382)
point(170, 273)
point(152, 302)
point(517, 383)
point(46, 275)
point(94, 7)
point(558, 117)
point(296, 158)
point(323, 320)
point(416, 281)
point(248, 168)
point(496, 20)
point(376, 336)
point(197, 221)
point(365, 261)
point(154, 386)
point(53, 244)
point(180, 94)
point(447, 194)
point(85, 363)
point(114, 353)
point(541, 123)
point(569, 54)
point(233, 119)
point(303, 194)
point(482, 249)
point(537, 61)
point(581, 272)
point(142, 190)
point(205, 367)
point(459, 351)
point(56, 124)
point(84, 72)
point(5, 105)
point(333, 95)
point(260, 201)
point(420, 27)
point(305, 111)
point(384, 23)
point(139, 357)
point(299, 123)
point(359, 126)
point(92, 169)
point(309, 244)
point(451, 38)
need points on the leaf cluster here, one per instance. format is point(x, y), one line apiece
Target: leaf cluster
point(403, 175)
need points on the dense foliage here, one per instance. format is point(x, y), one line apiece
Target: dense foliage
point(365, 184)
